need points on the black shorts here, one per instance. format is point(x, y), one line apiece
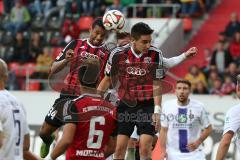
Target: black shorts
point(55, 114)
point(140, 115)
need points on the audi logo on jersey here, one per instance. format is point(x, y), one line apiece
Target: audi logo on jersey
point(136, 71)
point(87, 55)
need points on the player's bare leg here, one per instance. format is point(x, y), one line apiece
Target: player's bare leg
point(121, 147)
point(145, 144)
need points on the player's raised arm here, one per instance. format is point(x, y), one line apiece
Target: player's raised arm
point(65, 56)
point(173, 61)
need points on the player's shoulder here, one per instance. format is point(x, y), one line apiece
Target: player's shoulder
point(234, 110)
point(121, 49)
point(155, 50)
point(196, 103)
point(170, 104)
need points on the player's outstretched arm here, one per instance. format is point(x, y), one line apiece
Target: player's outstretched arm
point(205, 133)
point(163, 142)
point(174, 61)
point(67, 138)
point(224, 145)
point(27, 155)
point(104, 85)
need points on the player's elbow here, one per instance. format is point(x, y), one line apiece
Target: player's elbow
point(225, 142)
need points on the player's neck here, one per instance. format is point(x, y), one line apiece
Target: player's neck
point(135, 50)
point(85, 90)
point(183, 103)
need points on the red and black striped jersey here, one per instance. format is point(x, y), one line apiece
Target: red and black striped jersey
point(95, 120)
point(82, 50)
point(135, 72)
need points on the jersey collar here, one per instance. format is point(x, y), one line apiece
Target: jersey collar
point(135, 54)
point(88, 42)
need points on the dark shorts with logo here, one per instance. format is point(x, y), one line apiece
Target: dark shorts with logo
point(139, 115)
point(55, 114)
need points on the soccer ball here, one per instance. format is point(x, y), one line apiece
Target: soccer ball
point(113, 20)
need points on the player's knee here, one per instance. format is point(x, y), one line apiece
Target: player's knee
point(145, 150)
point(120, 152)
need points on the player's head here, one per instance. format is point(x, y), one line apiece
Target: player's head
point(123, 38)
point(141, 37)
point(183, 89)
point(238, 86)
point(88, 72)
point(3, 71)
point(97, 32)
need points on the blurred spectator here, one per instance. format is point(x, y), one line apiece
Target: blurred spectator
point(213, 76)
point(228, 86)
point(117, 6)
point(195, 76)
point(7, 6)
point(234, 47)
point(87, 7)
point(19, 18)
point(70, 28)
point(200, 88)
point(217, 86)
point(232, 71)
point(40, 7)
point(222, 38)
point(36, 45)
point(44, 61)
point(20, 49)
point(188, 7)
point(233, 26)
point(206, 61)
point(221, 58)
point(167, 11)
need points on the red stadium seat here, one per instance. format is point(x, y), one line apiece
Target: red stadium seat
point(29, 68)
point(15, 67)
point(187, 24)
point(34, 86)
point(84, 23)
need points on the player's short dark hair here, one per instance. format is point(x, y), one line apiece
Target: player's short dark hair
point(98, 22)
point(122, 35)
point(184, 81)
point(88, 72)
point(140, 29)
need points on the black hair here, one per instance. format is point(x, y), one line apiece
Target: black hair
point(88, 72)
point(140, 29)
point(122, 35)
point(98, 22)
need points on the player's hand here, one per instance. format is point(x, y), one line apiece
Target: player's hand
point(156, 121)
point(163, 156)
point(193, 146)
point(69, 55)
point(191, 52)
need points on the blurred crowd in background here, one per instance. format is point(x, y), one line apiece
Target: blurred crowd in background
point(33, 32)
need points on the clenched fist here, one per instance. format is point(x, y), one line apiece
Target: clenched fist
point(69, 54)
point(191, 52)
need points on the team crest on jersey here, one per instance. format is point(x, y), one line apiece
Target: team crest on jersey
point(102, 54)
point(147, 60)
point(182, 118)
